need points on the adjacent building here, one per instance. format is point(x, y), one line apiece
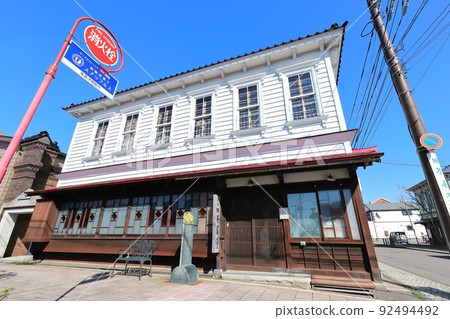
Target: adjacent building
point(256, 146)
point(429, 216)
point(34, 166)
point(385, 218)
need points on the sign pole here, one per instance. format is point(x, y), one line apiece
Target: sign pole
point(49, 76)
point(413, 118)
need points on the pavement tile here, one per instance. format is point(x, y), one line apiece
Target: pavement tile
point(286, 297)
point(250, 297)
point(318, 296)
point(51, 282)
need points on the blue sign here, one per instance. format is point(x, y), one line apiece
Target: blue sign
point(82, 64)
point(431, 141)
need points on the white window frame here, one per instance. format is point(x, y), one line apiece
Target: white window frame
point(237, 84)
point(130, 111)
point(285, 74)
point(95, 122)
point(193, 96)
point(101, 138)
point(134, 132)
point(157, 126)
point(202, 117)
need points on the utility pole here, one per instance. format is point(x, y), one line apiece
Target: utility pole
point(412, 115)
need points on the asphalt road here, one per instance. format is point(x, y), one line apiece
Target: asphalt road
point(431, 265)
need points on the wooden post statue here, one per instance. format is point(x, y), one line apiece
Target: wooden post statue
point(186, 272)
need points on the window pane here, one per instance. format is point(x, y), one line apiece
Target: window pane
point(304, 215)
point(254, 117)
point(167, 134)
point(133, 122)
point(300, 84)
point(252, 95)
point(98, 145)
point(168, 114)
point(202, 127)
point(101, 130)
point(351, 214)
point(243, 97)
point(248, 96)
point(243, 120)
point(203, 106)
point(161, 116)
point(310, 106)
point(294, 88)
point(128, 124)
point(332, 214)
point(128, 140)
point(297, 109)
point(306, 83)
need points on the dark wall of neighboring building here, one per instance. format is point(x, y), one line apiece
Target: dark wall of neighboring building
point(40, 159)
point(35, 165)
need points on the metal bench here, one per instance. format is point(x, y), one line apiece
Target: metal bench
point(139, 251)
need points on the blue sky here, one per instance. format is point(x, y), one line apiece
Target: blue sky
point(169, 37)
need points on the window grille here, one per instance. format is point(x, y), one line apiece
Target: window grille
point(99, 139)
point(202, 117)
point(249, 116)
point(163, 125)
point(302, 95)
point(129, 132)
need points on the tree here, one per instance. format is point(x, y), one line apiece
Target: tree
point(421, 199)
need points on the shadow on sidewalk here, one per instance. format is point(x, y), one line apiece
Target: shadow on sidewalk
point(87, 280)
point(7, 274)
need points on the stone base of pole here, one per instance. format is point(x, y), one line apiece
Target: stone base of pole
point(186, 274)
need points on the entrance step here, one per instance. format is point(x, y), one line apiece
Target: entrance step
point(296, 280)
point(343, 284)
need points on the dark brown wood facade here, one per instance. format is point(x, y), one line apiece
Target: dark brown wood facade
point(252, 235)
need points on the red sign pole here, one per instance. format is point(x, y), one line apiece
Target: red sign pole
point(49, 76)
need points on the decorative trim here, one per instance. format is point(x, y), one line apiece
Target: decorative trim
point(91, 158)
point(203, 91)
point(155, 147)
point(247, 79)
point(308, 121)
point(165, 101)
point(251, 131)
point(123, 152)
point(200, 139)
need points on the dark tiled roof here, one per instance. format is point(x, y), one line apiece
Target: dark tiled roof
point(333, 27)
point(53, 145)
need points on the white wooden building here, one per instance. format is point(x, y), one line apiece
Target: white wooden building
point(253, 133)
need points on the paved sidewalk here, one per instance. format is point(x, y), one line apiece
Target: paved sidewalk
point(430, 289)
point(40, 282)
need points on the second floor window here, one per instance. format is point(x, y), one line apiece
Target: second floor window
point(99, 139)
point(303, 99)
point(163, 125)
point(129, 132)
point(202, 117)
point(249, 108)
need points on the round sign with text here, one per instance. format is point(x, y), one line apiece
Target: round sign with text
point(101, 45)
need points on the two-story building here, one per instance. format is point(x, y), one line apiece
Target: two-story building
point(256, 146)
point(421, 195)
point(387, 217)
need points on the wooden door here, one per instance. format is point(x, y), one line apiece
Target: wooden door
point(255, 235)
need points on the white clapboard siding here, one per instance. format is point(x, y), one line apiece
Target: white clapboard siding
point(274, 108)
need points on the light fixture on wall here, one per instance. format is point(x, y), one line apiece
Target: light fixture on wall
point(331, 178)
